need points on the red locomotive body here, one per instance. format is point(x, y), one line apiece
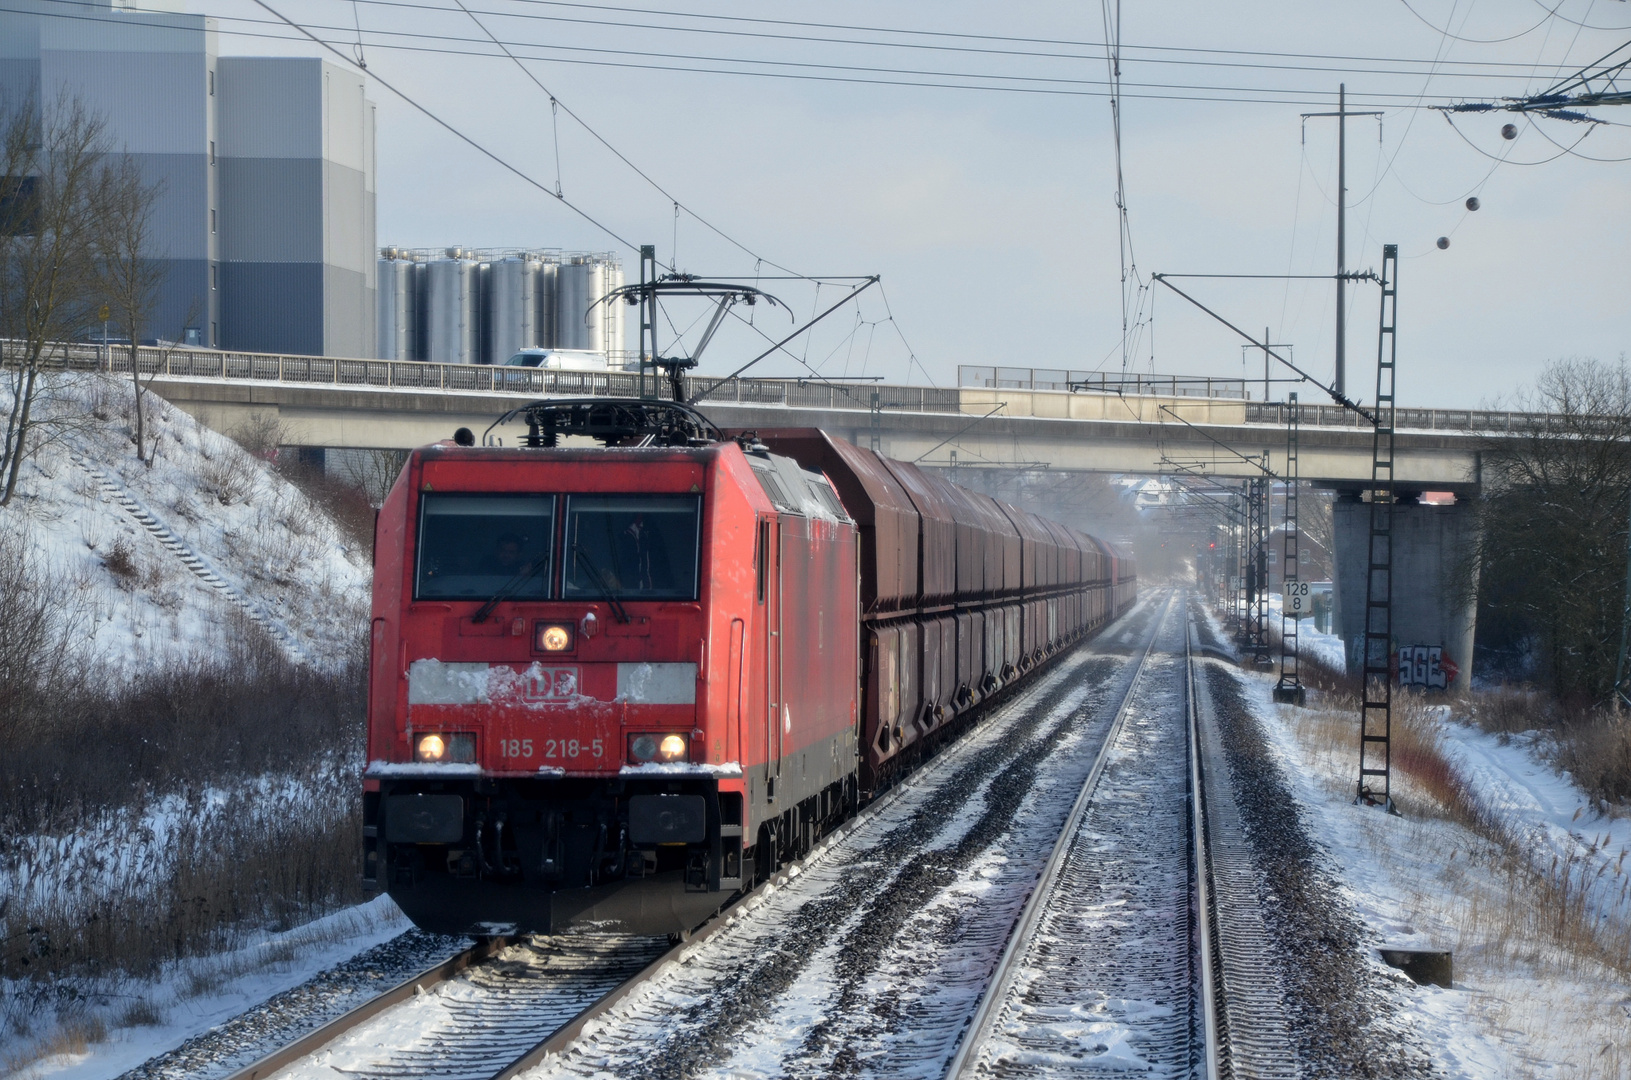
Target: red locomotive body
point(615, 686)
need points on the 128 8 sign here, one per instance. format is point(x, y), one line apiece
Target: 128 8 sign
point(1426, 666)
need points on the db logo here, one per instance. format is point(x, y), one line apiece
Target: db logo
point(549, 684)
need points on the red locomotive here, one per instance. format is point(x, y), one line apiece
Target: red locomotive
point(617, 683)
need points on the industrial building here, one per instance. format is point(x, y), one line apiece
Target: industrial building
point(481, 306)
point(265, 167)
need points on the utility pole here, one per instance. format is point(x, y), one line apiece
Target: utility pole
point(1342, 236)
point(1342, 114)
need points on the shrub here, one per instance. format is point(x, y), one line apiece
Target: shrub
point(121, 560)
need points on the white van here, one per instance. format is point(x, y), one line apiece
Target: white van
point(559, 359)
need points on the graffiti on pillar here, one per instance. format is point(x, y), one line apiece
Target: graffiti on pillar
point(1425, 666)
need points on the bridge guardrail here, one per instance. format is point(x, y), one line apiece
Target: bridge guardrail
point(808, 393)
point(1457, 420)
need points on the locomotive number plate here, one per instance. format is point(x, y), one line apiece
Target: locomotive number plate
point(552, 749)
point(549, 683)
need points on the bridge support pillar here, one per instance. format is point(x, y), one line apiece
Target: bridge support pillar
point(1429, 543)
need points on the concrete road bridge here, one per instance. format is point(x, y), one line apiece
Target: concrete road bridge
point(1145, 426)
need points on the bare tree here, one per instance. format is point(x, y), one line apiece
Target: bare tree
point(375, 471)
point(1551, 554)
point(51, 158)
point(131, 278)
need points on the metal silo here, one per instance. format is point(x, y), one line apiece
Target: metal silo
point(454, 323)
point(579, 284)
point(544, 298)
point(393, 306)
point(515, 305)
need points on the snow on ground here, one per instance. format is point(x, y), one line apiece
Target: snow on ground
point(138, 606)
point(249, 525)
point(1325, 648)
point(1521, 1005)
point(1554, 818)
point(193, 996)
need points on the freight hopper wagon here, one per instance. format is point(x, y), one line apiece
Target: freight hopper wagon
point(618, 683)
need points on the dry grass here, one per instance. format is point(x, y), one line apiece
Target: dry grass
point(1548, 974)
point(1559, 903)
point(227, 478)
point(1592, 745)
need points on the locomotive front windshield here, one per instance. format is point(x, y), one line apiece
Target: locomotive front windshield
point(474, 546)
point(632, 546)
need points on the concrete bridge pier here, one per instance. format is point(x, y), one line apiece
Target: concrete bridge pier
point(1429, 543)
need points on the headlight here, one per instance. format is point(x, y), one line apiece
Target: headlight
point(664, 748)
point(458, 748)
point(552, 637)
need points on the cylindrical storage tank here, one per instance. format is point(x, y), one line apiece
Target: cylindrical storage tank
point(454, 324)
point(544, 285)
point(393, 307)
point(515, 306)
point(418, 291)
point(579, 284)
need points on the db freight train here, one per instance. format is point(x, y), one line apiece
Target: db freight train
point(626, 668)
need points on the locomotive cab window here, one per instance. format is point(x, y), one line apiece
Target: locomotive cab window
point(632, 546)
point(472, 547)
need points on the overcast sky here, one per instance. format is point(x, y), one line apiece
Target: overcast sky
point(990, 211)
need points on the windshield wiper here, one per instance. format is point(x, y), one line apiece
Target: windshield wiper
point(600, 583)
point(508, 590)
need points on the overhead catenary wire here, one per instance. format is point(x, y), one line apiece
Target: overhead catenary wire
point(1200, 93)
point(1446, 32)
point(454, 130)
point(1092, 50)
point(555, 103)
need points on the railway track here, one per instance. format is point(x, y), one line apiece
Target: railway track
point(870, 956)
point(871, 959)
point(1142, 948)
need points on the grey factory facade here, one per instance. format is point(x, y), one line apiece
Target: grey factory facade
point(265, 215)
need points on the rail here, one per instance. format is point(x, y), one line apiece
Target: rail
point(967, 1063)
point(320, 1037)
point(178, 362)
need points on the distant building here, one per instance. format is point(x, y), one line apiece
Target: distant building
point(266, 214)
point(482, 306)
